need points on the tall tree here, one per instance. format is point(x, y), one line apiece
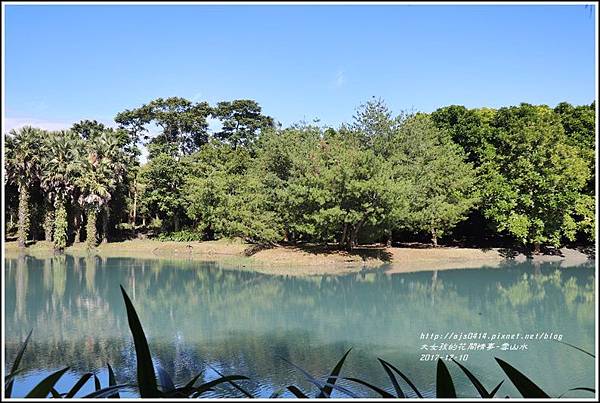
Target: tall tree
point(440, 182)
point(23, 169)
point(61, 166)
point(183, 124)
point(241, 120)
point(534, 179)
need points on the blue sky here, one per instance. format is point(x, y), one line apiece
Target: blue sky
point(66, 63)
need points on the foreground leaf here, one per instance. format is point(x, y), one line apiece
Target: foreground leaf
point(478, 385)
point(15, 367)
point(235, 385)
point(297, 392)
point(112, 381)
point(84, 378)
point(108, 391)
point(444, 384)
point(205, 387)
point(145, 370)
point(44, 388)
point(523, 384)
point(382, 392)
point(326, 392)
point(406, 379)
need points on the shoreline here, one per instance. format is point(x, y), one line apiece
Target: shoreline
point(307, 259)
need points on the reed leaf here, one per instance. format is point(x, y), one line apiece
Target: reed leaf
point(444, 384)
point(43, 389)
point(145, 370)
point(524, 385)
point(406, 379)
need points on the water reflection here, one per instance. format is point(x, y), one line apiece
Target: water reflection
point(242, 322)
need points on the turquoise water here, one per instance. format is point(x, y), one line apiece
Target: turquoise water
point(199, 316)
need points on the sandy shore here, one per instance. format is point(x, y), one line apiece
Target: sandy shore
point(308, 259)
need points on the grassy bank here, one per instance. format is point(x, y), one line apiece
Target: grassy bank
point(307, 259)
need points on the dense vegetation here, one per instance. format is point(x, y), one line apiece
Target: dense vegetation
point(522, 175)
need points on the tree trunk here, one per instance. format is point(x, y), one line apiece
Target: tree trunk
point(434, 240)
point(90, 228)
point(105, 224)
point(353, 239)
point(388, 242)
point(78, 222)
point(536, 248)
point(60, 226)
point(23, 229)
point(48, 222)
point(176, 222)
point(134, 203)
point(343, 238)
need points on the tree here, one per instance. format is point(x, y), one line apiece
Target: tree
point(163, 178)
point(183, 124)
point(23, 169)
point(534, 178)
point(470, 128)
point(241, 120)
point(88, 128)
point(103, 169)
point(224, 199)
point(439, 181)
point(60, 168)
point(374, 125)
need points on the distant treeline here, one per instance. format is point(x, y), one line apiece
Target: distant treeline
point(522, 175)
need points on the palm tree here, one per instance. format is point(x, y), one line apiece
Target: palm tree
point(61, 166)
point(104, 168)
point(22, 168)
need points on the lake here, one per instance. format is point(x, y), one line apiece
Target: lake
point(204, 316)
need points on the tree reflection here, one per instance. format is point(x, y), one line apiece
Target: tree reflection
point(240, 321)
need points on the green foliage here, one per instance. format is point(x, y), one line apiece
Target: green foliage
point(162, 179)
point(241, 122)
point(181, 236)
point(533, 181)
point(440, 184)
point(22, 163)
point(183, 124)
point(527, 170)
point(60, 226)
point(90, 229)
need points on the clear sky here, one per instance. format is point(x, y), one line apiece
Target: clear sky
point(66, 63)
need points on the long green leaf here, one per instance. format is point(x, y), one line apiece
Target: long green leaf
point(444, 384)
point(108, 391)
point(523, 384)
point(395, 384)
point(112, 381)
point(55, 394)
point(15, 366)
point(478, 385)
point(84, 378)
point(591, 390)
point(209, 385)
point(333, 376)
point(97, 385)
point(577, 348)
point(235, 385)
point(297, 392)
point(145, 370)
point(166, 382)
point(320, 385)
point(382, 392)
point(406, 379)
point(43, 389)
point(495, 390)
